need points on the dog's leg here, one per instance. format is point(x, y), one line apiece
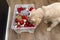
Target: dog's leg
point(52, 25)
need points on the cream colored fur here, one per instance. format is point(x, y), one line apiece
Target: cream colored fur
point(50, 13)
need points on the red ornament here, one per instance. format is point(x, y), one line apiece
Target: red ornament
point(16, 20)
point(30, 9)
point(19, 9)
point(23, 17)
point(18, 26)
point(27, 24)
point(27, 19)
point(21, 22)
point(31, 25)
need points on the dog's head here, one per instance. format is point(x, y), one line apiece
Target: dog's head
point(35, 16)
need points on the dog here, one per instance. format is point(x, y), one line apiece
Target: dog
point(49, 13)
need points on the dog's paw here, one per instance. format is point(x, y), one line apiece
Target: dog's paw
point(48, 29)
